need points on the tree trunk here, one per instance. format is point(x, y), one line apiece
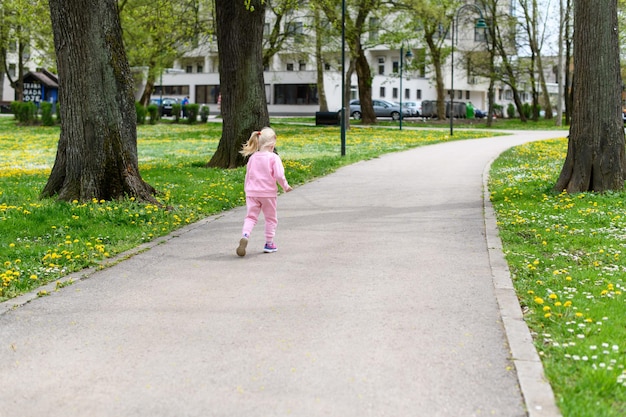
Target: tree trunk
point(244, 105)
point(364, 76)
point(97, 151)
point(319, 60)
point(595, 158)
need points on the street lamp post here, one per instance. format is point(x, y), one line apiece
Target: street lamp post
point(409, 55)
point(481, 25)
point(343, 78)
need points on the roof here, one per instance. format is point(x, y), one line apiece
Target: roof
point(45, 77)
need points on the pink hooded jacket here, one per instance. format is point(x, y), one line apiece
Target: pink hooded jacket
point(263, 171)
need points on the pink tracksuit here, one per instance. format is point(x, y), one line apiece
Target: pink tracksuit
point(263, 171)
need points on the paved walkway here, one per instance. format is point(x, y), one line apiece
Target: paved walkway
point(388, 296)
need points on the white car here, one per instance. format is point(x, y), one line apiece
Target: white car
point(415, 107)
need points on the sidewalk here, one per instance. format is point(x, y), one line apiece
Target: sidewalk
point(389, 296)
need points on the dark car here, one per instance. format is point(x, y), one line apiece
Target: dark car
point(479, 114)
point(166, 108)
point(382, 108)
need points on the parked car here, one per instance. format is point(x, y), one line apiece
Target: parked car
point(166, 108)
point(415, 107)
point(479, 114)
point(382, 108)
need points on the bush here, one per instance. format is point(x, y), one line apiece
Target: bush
point(153, 111)
point(204, 114)
point(192, 113)
point(176, 108)
point(25, 112)
point(141, 113)
point(46, 113)
point(510, 111)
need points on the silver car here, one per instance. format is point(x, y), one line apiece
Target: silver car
point(382, 108)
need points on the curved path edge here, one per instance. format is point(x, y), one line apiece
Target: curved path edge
point(536, 390)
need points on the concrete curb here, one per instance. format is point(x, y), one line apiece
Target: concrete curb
point(536, 390)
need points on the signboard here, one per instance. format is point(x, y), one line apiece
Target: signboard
point(32, 92)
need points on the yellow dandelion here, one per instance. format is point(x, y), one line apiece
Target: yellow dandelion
point(538, 300)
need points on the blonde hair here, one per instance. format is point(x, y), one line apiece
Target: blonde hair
point(259, 140)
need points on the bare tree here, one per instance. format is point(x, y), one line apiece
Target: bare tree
point(244, 106)
point(595, 158)
point(355, 27)
point(97, 150)
point(531, 25)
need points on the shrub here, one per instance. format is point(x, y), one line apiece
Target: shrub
point(510, 111)
point(176, 108)
point(25, 112)
point(526, 109)
point(204, 114)
point(192, 113)
point(141, 113)
point(46, 113)
point(153, 111)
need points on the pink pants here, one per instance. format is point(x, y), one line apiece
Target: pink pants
point(268, 206)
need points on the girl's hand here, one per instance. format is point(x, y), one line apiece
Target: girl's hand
point(288, 189)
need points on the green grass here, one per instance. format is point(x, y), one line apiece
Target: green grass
point(566, 256)
point(44, 240)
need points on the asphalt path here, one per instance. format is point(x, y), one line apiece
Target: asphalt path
point(388, 296)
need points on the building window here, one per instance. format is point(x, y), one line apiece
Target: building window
point(326, 66)
point(395, 67)
point(373, 29)
point(296, 29)
point(189, 69)
point(172, 90)
point(419, 62)
point(302, 66)
point(418, 94)
point(381, 65)
point(12, 70)
point(394, 93)
point(407, 93)
point(266, 30)
point(199, 69)
point(382, 92)
point(207, 94)
point(295, 94)
point(290, 66)
point(460, 95)
point(467, 95)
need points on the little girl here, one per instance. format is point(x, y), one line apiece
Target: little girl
point(263, 171)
